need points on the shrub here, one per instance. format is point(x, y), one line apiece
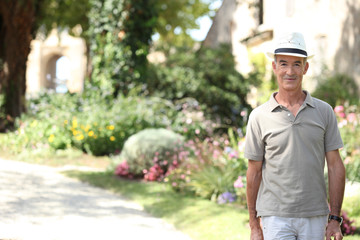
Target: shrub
point(213, 170)
point(337, 90)
point(349, 126)
point(210, 77)
point(89, 122)
point(152, 152)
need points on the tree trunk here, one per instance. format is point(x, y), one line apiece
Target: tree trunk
point(16, 25)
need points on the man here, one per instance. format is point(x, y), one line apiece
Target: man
point(287, 141)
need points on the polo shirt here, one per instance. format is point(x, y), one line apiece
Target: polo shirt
point(292, 149)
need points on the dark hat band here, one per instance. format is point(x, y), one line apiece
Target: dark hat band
point(290, 50)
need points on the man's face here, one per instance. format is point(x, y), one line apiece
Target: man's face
point(289, 71)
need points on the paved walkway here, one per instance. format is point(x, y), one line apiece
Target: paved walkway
point(37, 202)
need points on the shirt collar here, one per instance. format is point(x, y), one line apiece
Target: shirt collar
point(273, 104)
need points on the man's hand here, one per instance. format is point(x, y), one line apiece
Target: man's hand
point(333, 230)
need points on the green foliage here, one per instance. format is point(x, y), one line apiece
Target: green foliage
point(151, 147)
point(337, 90)
point(120, 33)
point(63, 14)
point(175, 19)
point(90, 124)
point(211, 181)
point(349, 126)
point(212, 168)
point(268, 84)
point(209, 76)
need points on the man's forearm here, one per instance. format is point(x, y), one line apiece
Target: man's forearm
point(253, 180)
point(336, 187)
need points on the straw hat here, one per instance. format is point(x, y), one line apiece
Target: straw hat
point(291, 44)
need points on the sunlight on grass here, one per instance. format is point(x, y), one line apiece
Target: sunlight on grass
point(199, 218)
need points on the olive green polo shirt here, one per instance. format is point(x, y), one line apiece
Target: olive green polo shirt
point(292, 149)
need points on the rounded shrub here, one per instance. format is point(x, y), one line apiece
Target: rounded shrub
point(151, 153)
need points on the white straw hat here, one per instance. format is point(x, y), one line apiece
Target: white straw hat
point(291, 44)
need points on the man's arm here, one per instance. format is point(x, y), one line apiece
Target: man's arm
point(336, 172)
point(253, 180)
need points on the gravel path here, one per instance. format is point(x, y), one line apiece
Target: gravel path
point(37, 202)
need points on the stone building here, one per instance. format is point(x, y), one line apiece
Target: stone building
point(331, 29)
point(44, 68)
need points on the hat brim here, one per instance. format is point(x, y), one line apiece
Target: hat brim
point(271, 55)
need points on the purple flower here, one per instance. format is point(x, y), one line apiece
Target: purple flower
point(226, 197)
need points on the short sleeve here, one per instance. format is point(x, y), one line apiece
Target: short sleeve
point(333, 139)
point(254, 146)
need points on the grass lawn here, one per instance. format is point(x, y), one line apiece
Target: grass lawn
point(200, 219)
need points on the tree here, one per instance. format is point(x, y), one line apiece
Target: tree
point(17, 20)
point(175, 18)
point(120, 34)
point(20, 20)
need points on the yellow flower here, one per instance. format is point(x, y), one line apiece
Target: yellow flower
point(87, 127)
point(80, 137)
point(91, 133)
point(110, 127)
point(51, 138)
point(112, 138)
point(66, 122)
point(74, 123)
point(95, 137)
point(33, 124)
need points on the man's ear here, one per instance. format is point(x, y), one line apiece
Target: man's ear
point(306, 67)
point(273, 66)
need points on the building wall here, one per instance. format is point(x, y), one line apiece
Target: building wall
point(41, 65)
point(331, 29)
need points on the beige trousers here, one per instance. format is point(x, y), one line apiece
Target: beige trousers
point(282, 228)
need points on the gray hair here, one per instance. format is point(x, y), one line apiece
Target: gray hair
point(305, 59)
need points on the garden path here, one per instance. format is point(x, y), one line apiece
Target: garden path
point(37, 202)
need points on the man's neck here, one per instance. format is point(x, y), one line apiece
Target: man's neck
point(289, 99)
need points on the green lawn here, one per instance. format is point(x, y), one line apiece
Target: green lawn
point(200, 219)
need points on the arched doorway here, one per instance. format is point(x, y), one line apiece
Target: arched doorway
point(57, 73)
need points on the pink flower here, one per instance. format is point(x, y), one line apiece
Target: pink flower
point(342, 115)
point(339, 109)
point(122, 169)
point(351, 117)
point(239, 183)
point(233, 154)
point(347, 160)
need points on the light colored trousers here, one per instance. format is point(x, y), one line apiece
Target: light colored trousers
point(280, 228)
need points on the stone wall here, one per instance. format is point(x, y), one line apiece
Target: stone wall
point(41, 65)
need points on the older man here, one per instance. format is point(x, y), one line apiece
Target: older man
point(287, 141)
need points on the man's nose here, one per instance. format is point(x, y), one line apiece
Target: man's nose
point(290, 70)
